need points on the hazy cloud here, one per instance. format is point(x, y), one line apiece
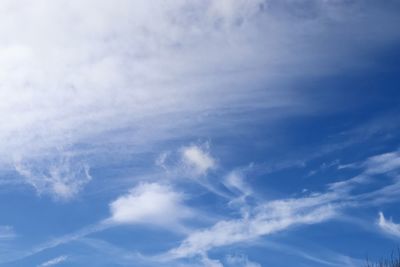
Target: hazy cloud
point(6, 232)
point(62, 178)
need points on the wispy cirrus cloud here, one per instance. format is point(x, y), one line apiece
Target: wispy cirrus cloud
point(235, 181)
point(240, 260)
point(383, 163)
point(191, 161)
point(62, 178)
point(53, 262)
point(162, 205)
point(197, 160)
point(267, 219)
point(388, 226)
point(86, 86)
point(135, 74)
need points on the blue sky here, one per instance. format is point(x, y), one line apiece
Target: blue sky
point(225, 133)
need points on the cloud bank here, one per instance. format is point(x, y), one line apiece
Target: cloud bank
point(90, 78)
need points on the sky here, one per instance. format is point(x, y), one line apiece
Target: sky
point(202, 133)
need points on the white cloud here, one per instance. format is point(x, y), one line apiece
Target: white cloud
point(378, 164)
point(192, 161)
point(161, 70)
point(54, 261)
point(387, 164)
point(234, 181)
point(118, 66)
point(388, 226)
point(240, 260)
point(149, 203)
point(62, 178)
point(268, 218)
point(383, 163)
point(207, 262)
point(197, 160)
point(153, 203)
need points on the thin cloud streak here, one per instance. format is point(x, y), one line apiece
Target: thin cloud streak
point(54, 261)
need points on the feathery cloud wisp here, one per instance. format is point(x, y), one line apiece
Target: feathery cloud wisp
point(388, 226)
point(61, 178)
point(383, 163)
point(54, 261)
point(196, 160)
point(267, 219)
point(240, 260)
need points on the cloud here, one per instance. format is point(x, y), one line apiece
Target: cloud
point(378, 164)
point(161, 205)
point(207, 262)
point(135, 74)
point(383, 163)
point(240, 260)
point(62, 178)
point(234, 181)
point(197, 160)
point(54, 261)
point(388, 226)
point(119, 67)
point(149, 203)
point(192, 161)
point(7, 232)
point(55, 242)
point(267, 218)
